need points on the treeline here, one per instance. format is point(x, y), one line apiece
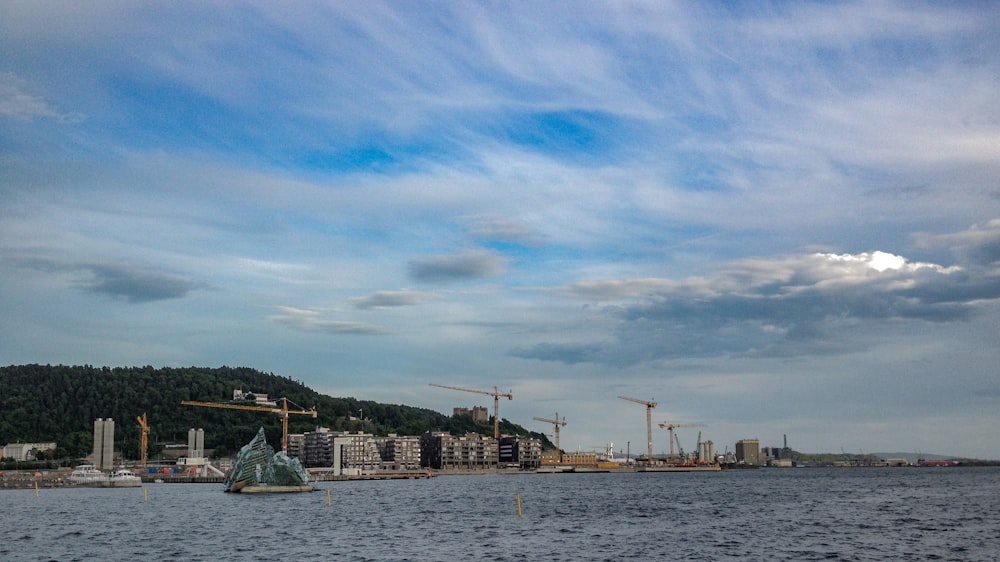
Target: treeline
point(46, 403)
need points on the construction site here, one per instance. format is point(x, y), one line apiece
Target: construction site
point(330, 455)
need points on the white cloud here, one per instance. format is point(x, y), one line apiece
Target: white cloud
point(17, 102)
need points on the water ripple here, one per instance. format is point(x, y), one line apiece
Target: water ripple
point(855, 515)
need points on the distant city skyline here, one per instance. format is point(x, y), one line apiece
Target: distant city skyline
point(771, 218)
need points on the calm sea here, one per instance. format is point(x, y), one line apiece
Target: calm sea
point(770, 514)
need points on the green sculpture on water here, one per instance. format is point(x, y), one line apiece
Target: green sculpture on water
point(259, 469)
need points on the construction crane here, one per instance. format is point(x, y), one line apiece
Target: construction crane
point(556, 423)
point(496, 394)
point(649, 424)
point(607, 449)
point(283, 411)
point(143, 439)
point(672, 426)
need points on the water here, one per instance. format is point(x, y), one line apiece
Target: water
point(793, 514)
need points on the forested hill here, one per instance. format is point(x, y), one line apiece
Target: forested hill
point(44, 403)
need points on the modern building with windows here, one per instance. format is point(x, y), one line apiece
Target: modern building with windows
point(472, 451)
point(399, 452)
point(317, 448)
point(520, 452)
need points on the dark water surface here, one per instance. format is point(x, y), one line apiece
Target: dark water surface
point(791, 514)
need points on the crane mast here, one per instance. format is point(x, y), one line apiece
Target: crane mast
point(283, 411)
point(556, 423)
point(649, 424)
point(143, 439)
point(496, 394)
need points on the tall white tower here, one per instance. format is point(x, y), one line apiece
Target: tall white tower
point(104, 443)
point(196, 443)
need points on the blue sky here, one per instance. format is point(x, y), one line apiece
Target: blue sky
point(781, 218)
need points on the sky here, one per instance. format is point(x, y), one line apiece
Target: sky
point(774, 219)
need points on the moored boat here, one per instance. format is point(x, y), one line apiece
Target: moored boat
point(682, 467)
point(124, 478)
point(88, 475)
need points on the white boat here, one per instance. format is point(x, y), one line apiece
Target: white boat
point(89, 476)
point(124, 478)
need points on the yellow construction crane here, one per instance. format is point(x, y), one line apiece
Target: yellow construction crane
point(671, 426)
point(649, 424)
point(496, 394)
point(556, 423)
point(144, 439)
point(283, 411)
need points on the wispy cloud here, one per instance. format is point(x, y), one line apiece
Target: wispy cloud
point(130, 283)
point(309, 320)
point(17, 102)
point(392, 299)
point(462, 267)
point(137, 285)
point(977, 246)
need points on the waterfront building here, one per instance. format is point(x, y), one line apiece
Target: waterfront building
point(520, 452)
point(26, 451)
point(297, 446)
point(358, 451)
point(317, 448)
point(471, 451)
point(748, 451)
point(399, 452)
point(580, 459)
point(355, 453)
point(340, 450)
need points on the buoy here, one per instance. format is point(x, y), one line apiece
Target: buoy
point(519, 504)
point(329, 500)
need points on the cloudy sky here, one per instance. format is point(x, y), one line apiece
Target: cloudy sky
point(771, 219)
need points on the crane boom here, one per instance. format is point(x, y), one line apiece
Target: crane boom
point(556, 423)
point(283, 411)
point(496, 394)
point(649, 424)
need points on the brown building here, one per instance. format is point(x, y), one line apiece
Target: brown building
point(748, 451)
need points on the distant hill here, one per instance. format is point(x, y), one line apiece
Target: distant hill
point(44, 403)
point(825, 459)
point(912, 458)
